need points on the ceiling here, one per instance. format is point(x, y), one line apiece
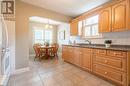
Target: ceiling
point(71, 8)
point(44, 20)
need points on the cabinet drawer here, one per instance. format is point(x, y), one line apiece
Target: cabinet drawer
point(119, 64)
point(84, 50)
point(116, 53)
point(99, 51)
point(114, 75)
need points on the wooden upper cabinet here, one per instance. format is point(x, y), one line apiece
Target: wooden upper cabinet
point(128, 14)
point(119, 16)
point(105, 20)
point(74, 27)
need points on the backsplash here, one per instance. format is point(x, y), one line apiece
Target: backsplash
point(118, 38)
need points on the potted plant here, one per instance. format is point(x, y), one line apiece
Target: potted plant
point(108, 43)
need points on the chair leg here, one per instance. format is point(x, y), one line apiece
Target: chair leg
point(35, 58)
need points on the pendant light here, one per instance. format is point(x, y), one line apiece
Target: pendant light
point(48, 25)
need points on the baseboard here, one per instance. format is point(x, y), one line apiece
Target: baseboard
point(22, 70)
point(4, 80)
point(32, 55)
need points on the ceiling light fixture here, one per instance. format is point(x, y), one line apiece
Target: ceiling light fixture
point(48, 25)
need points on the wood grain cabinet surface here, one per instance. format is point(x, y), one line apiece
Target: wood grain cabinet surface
point(113, 65)
point(105, 20)
point(74, 27)
point(67, 53)
point(86, 59)
point(110, 73)
point(113, 17)
point(77, 56)
point(119, 16)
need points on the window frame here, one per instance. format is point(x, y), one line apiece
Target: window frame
point(43, 34)
point(91, 25)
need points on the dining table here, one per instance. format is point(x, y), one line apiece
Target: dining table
point(46, 48)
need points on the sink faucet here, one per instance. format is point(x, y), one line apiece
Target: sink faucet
point(89, 42)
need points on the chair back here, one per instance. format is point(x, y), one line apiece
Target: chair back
point(37, 50)
point(56, 46)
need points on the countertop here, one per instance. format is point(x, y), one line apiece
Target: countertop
point(101, 46)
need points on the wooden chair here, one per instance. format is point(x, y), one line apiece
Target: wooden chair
point(39, 53)
point(54, 50)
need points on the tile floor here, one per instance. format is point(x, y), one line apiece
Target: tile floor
point(55, 73)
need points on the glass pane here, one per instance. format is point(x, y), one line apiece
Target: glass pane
point(95, 30)
point(48, 36)
point(38, 34)
point(39, 41)
point(87, 31)
point(92, 20)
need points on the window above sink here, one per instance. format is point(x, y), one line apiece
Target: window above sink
point(90, 27)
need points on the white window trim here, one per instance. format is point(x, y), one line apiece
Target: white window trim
point(89, 37)
point(33, 34)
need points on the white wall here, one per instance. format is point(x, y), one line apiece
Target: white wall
point(23, 12)
point(118, 38)
point(63, 27)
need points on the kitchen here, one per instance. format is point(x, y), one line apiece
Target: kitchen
point(92, 43)
point(100, 55)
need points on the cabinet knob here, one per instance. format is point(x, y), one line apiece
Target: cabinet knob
point(106, 61)
point(105, 72)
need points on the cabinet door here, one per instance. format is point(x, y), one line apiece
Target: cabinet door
point(119, 17)
point(74, 28)
point(70, 54)
point(65, 53)
point(105, 20)
point(77, 55)
point(128, 14)
point(86, 61)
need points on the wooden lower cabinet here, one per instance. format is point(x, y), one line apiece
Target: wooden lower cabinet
point(77, 56)
point(70, 54)
point(86, 59)
point(67, 53)
point(117, 63)
point(110, 64)
point(110, 73)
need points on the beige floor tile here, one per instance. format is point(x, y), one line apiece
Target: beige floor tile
point(55, 73)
